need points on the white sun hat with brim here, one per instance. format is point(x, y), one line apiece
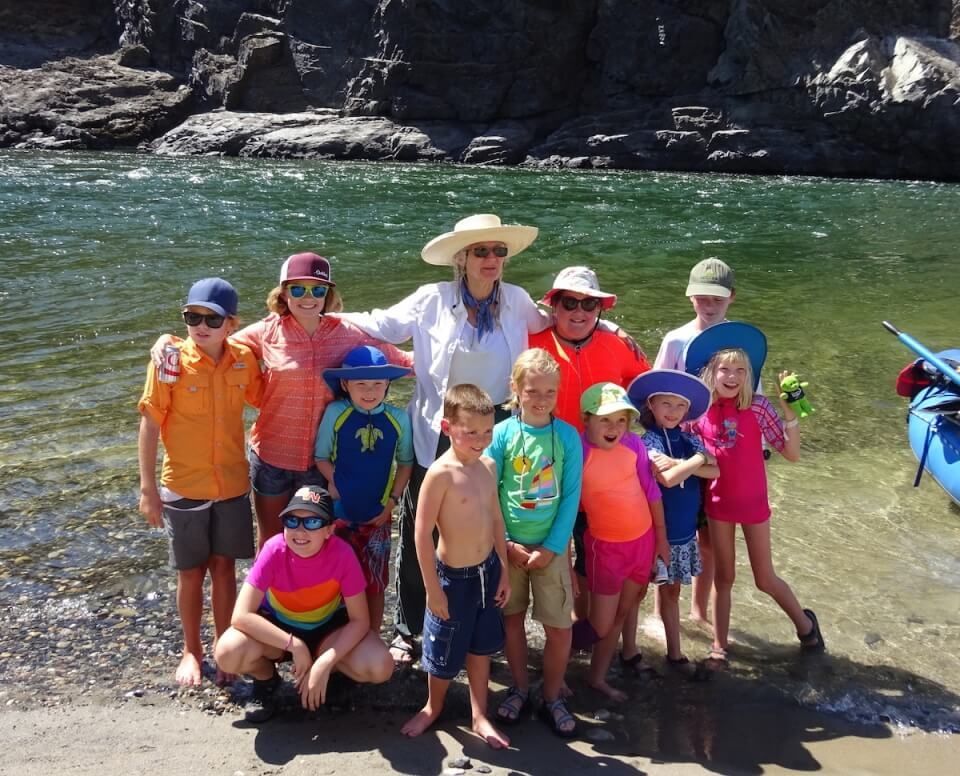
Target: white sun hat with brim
point(579, 280)
point(671, 382)
point(484, 227)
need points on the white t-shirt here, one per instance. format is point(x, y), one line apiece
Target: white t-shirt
point(484, 362)
point(670, 355)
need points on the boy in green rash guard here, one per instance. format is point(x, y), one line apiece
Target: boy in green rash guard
point(539, 460)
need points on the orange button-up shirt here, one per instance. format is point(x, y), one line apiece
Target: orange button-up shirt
point(201, 420)
point(295, 393)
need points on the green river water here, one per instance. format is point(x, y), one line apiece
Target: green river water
point(97, 251)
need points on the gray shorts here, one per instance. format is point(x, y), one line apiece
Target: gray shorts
point(198, 529)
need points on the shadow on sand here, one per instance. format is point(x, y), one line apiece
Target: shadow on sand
point(762, 711)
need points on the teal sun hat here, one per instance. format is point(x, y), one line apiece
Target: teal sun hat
point(724, 336)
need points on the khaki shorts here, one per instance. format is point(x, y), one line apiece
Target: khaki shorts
point(552, 593)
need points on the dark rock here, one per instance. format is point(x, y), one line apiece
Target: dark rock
point(844, 87)
point(136, 55)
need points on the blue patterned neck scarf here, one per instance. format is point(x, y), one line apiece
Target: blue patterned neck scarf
point(484, 307)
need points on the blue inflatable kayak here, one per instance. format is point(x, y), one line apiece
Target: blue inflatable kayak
point(933, 421)
point(933, 426)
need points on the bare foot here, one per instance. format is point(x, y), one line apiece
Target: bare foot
point(565, 691)
point(188, 672)
point(617, 696)
point(223, 679)
point(494, 738)
point(697, 615)
point(420, 721)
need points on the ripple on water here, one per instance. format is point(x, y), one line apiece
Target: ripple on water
point(819, 264)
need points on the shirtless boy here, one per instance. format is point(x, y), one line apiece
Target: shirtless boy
point(463, 580)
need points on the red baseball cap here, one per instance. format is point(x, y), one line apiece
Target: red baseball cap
point(306, 266)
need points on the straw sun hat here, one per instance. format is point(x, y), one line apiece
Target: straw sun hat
point(484, 227)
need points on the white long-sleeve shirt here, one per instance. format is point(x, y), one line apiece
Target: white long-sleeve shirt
point(434, 317)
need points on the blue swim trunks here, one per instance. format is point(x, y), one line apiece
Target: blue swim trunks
point(475, 624)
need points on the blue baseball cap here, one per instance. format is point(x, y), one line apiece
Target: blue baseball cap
point(215, 294)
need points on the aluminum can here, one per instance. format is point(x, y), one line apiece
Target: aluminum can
point(169, 371)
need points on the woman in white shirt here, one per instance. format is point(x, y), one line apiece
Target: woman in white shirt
point(468, 330)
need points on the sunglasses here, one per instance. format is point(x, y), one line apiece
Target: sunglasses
point(310, 523)
point(570, 303)
point(213, 320)
point(298, 291)
point(482, 251)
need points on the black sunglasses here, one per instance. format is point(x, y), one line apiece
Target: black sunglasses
point(571, 303)
point(310, 523)
point(482, 251)
point(213, 320)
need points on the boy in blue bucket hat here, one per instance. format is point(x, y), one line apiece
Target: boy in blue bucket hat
point(364, 448)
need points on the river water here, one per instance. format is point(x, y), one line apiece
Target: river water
point(97, 251)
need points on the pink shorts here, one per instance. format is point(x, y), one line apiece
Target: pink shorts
point(610, 564)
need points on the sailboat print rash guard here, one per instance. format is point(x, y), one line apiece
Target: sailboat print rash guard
point(538, 478)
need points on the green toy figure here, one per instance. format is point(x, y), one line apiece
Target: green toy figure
point(792, 391)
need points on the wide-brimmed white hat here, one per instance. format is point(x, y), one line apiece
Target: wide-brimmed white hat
point(484, 227)
point(579, 280)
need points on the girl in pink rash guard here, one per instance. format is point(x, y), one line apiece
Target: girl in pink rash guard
point(733, 430)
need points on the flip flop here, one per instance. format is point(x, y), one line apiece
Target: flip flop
point(514, 712)
point(818, 645)
point(717, 658)
point(555, 713)
point(638, 665)
point(406, 648)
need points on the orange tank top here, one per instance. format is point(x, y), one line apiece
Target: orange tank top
point(613, 496)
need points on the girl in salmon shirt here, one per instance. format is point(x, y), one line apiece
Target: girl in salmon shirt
point(300, 338)
point(733, 430)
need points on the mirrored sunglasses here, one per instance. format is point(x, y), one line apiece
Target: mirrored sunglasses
point(310, 523)
point(571, 303)
point(213, 320)
point(482, 251)
point(298, 291)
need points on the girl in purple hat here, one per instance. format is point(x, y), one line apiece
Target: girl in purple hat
point(667, 398)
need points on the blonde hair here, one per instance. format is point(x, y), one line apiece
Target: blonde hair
point(332, 302)
point(536, 361)
point(732, 356)
point(466, 397)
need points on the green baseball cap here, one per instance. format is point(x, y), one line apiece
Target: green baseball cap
point(606, 399)
point(711, 277)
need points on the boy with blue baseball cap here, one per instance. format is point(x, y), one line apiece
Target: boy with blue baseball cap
point(202, 501)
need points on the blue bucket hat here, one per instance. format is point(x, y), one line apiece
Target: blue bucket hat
point(215, 294)
point(363, 363)
point(724, 336)
point(674, 383)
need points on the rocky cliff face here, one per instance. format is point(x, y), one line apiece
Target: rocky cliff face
point(840, 87)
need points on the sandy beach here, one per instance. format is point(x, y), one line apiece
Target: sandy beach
point(151, 735)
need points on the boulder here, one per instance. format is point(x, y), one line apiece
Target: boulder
point(88, 103)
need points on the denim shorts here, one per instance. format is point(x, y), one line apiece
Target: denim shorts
point(270, 480)
point(476, 622)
